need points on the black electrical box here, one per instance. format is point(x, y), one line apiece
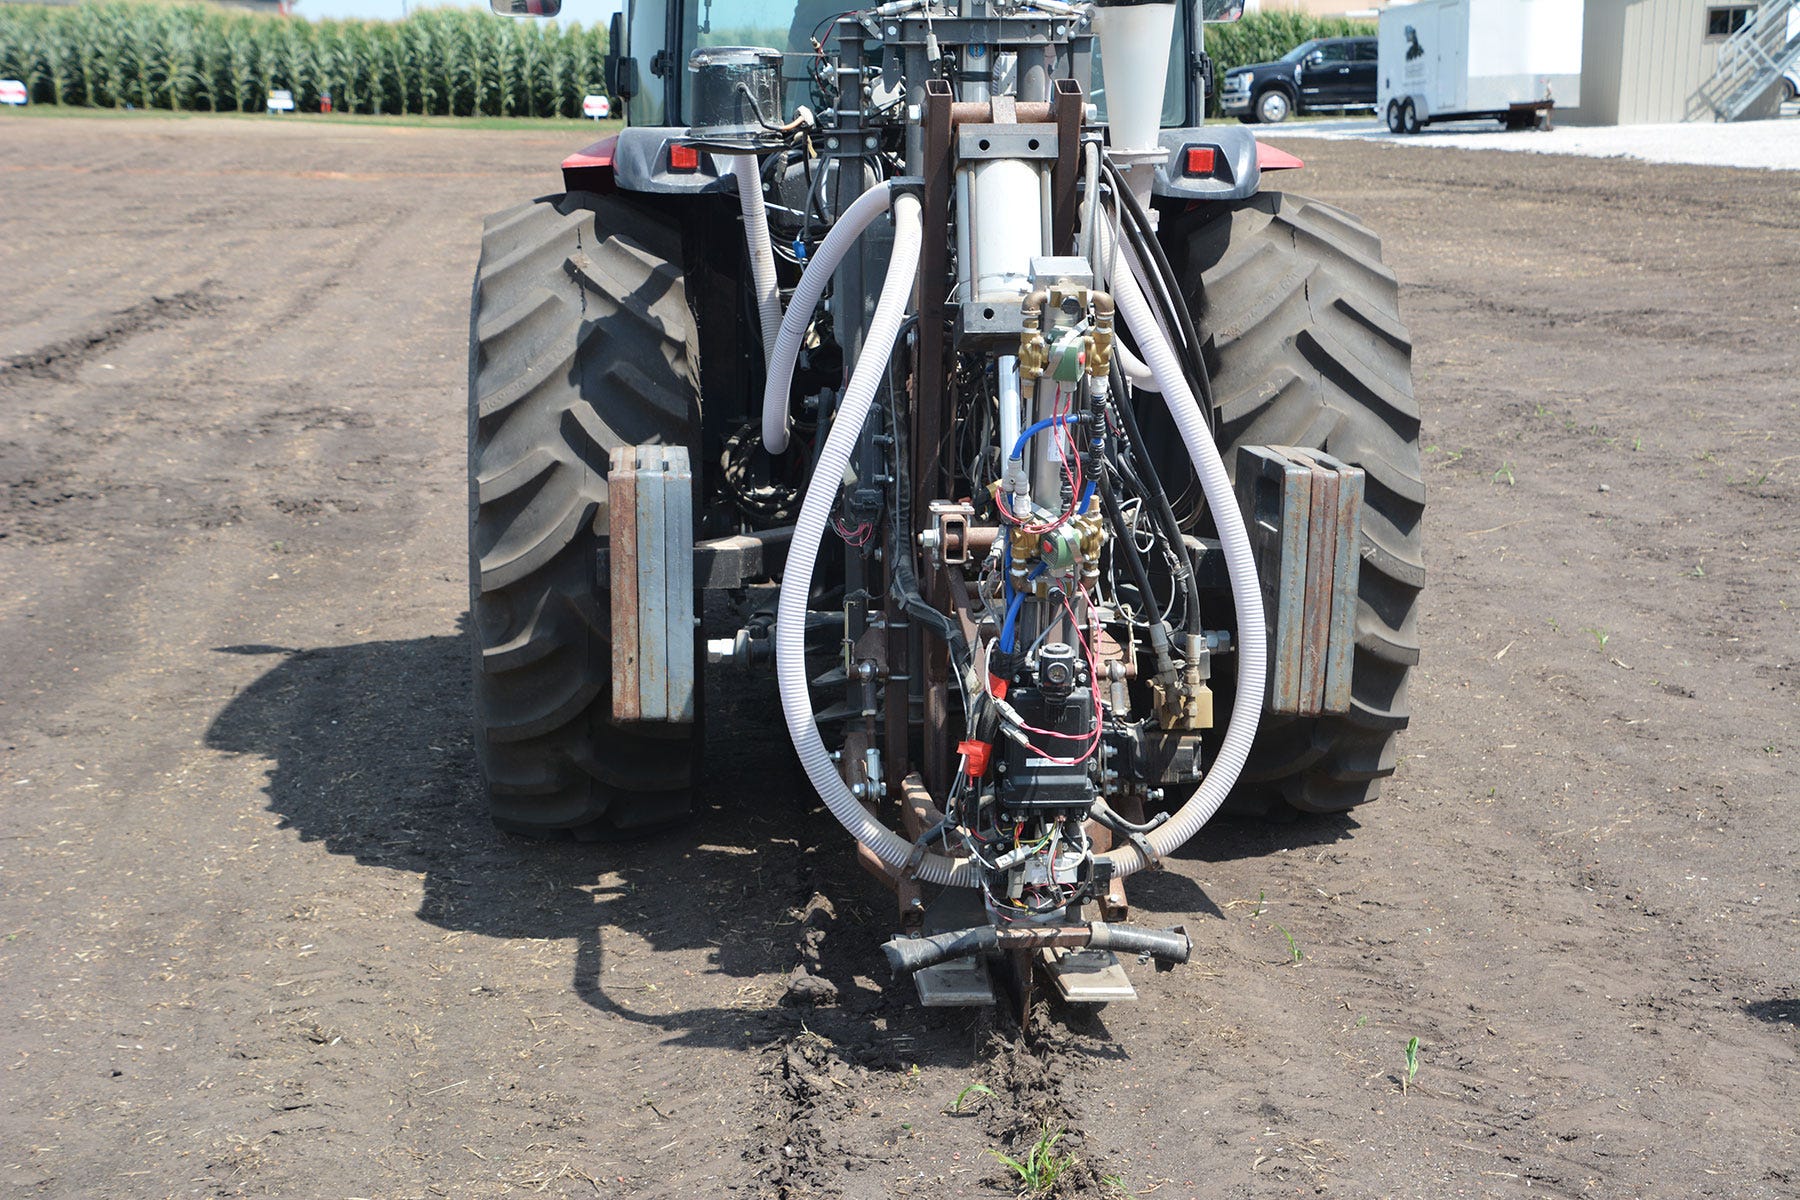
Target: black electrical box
point(1035, 782)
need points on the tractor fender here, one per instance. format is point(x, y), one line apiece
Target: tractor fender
point(590, 169)
point(1234, 171)
point(636, 159)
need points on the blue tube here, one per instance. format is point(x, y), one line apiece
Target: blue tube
point(1087, 498)
point(1006, 596)
point(1008, 630)
point(1015, 605)
point(1037, 427)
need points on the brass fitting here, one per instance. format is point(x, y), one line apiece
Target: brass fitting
point(1034, 355)
point(1092, 532)
point(1100, 341)
point(1189, 703)
point(1024, 553)
point(1181, 706)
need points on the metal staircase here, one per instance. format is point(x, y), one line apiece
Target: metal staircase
point(1752, 60)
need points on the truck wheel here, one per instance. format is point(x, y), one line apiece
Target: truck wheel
point(1393, 116)
point(1304, 341)
point(1273, 106)
point(1409, 117)
point(580, 340)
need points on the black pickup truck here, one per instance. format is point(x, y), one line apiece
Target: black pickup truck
point(1323, 74)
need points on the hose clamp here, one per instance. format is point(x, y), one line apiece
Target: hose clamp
point(907, 185)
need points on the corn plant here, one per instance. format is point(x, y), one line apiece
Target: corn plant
point(1042, 1166)
point(123, 53)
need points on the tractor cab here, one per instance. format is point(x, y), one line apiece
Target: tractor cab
point(651, 41)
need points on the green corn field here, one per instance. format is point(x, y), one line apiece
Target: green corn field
point(188, 57)
point(438, 62)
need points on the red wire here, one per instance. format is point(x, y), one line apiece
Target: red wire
point(1093, 738)
point(857, 537)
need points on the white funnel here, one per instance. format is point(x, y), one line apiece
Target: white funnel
point(1134, 62)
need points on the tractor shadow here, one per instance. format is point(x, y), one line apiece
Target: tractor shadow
point(372, 757)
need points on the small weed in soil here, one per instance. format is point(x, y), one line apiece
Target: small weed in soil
point(974, 1089)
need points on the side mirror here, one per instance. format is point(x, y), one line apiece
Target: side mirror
point(621, 72)
point(526, 8)
point(1221, 11)
point(1315, 58)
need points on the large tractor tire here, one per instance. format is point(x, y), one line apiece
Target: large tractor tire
point(581, 339)
point(1302, 334)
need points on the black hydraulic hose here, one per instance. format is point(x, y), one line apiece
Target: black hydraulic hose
point(1169, 945)
point(1165, 513)
point(1137, 486)
point(1102, 812)
point(908, 954)
point(1161, 291)
point(1168, 285)
point(903, 581)
point(1140, 575)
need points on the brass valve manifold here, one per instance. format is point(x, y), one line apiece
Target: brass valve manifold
point(1034, 349)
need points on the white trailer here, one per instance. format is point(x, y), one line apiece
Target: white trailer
point(1466, 60)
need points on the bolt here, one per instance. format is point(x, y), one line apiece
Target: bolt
point(869, 142)
point(831, 143)
point(893, 31)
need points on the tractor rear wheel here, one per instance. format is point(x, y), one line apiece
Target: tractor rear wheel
point(581, 339)
point(1301, 324)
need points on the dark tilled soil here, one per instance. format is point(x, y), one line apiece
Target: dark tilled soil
point(257, 937)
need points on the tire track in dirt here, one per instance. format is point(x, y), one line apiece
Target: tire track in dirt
point(61, 360)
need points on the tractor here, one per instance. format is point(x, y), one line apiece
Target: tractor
point(1059, 474)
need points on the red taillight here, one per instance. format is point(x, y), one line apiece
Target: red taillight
point(683, 158)
point(1200, 160)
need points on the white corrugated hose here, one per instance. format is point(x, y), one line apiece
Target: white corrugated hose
point(813, 281)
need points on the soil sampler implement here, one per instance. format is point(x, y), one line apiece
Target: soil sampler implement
point(1062, 474)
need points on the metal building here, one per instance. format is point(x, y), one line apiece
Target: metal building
point(1647, 61)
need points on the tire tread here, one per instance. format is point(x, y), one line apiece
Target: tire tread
point(1306, 347)
point(581, 340)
